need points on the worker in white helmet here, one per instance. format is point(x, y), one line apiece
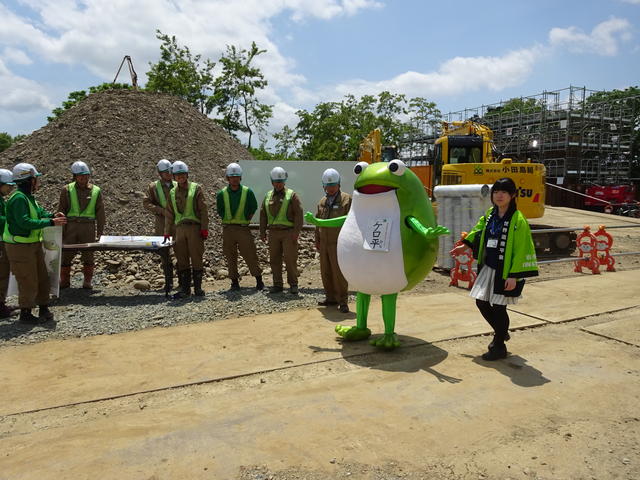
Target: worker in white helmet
point(6, 186)
point(280, 223)
point(81, 202)
point(155, 201)
point(335, 203)
point(187, 213)
point(22, 238)
point(236, 204)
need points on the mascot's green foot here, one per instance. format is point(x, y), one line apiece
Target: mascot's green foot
point(353, 333)
point(388, 341)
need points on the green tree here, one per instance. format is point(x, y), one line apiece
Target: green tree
point(285, 142)
point(235, 98)
point(5, 141)
point(181, 73)
point(79, 95)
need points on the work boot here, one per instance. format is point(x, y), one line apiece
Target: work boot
point(65, 277)
point(169, 278)
point(184, 285)
point(45, 314)
point(87, 270)
point(494, 341)
point(27, 317)
point(5, 311)
point(197, 283)
point(259, 283)
point(495, 353)
point(343, 308)
point(276, 289)
point(293, 289)
point(235, 285)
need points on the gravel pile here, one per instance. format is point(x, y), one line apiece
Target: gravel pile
point(122, 134)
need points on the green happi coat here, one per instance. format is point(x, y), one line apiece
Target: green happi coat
point(517, 253)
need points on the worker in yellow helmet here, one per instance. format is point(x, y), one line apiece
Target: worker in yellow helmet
point(155, 201)
point(236, 204)
point(187, 211)
point(281, 217)
point(6, 186)
point(22, 238)
point(81, 202)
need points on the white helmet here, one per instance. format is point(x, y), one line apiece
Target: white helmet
point(278, 174)
point(164, 165)
point(330, 177)
point(22, 171)
point(179, 167)
point(80, 168)
point(6, 177)
point(234, 170)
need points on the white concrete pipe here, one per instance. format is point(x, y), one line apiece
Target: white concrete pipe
point(459, 208)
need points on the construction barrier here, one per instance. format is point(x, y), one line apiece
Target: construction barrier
point(463, 267)
point(603, 247)
point(587, 252)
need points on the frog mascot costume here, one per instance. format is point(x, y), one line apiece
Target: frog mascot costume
point(388, 242)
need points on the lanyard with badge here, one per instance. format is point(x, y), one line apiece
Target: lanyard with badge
point(495, 227)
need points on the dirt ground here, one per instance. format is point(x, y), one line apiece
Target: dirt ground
point(302, 405)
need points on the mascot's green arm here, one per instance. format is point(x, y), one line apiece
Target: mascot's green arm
point(427, 232)
point(329, 222)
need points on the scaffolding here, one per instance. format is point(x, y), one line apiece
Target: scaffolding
point(579, 141)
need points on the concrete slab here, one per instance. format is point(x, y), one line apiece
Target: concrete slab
point(82, 370)
point(580, 296)
point(626, 328)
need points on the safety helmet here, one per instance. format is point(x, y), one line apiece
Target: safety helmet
point(278, 174)
point(179, 167)
point(164, 165)
point(330, 177)
point(23, 171)
point(6, 177)
point(234, 170)
point(80, 168)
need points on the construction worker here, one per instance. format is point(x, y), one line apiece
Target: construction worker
point(155, 201)
point(187, 213)
point(335, 203)
point(281, 216)
point(6, 186)
point(81, 202)
point(236, 204)
point(23, 241)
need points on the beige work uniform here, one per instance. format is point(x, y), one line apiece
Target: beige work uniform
point(188, 245)
point(280, 237)
point(30, 270)
point(4, 272)
point(78, 229)
point(151, 203)
point(239, 238)
point(335, 285)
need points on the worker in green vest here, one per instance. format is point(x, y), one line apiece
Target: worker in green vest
point(280, 224)
point(155, 201)
point(187, 212)
point(236, 204)
point(22, 238)
point(81, 202)
point(6, 186)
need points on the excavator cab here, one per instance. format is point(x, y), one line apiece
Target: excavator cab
point(389, 152)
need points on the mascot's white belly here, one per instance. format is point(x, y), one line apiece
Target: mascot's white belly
point(371, 271)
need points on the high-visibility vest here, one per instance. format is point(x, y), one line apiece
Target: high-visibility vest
point(90, 209)
point(160, 193)
point(281, 217)
point(35, 235)
point(189, 212)
point(238, 218)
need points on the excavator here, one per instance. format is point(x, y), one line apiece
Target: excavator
point(465, 154)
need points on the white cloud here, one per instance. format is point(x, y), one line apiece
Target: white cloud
point(15, 56)
point(18, 94)
point(632, 2)
point(604, 39)
point(458, 75)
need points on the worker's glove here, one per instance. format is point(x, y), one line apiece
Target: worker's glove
point(167, 238)
point(204, 234)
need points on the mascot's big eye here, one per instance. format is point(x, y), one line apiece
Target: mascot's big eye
point(359, 168)
point(397, 167)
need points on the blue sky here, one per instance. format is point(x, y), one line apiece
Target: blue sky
point(458, 54)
